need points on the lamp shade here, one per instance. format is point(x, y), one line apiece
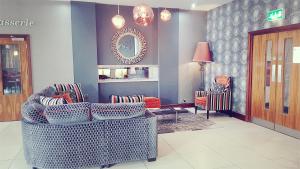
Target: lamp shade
point(202, 53)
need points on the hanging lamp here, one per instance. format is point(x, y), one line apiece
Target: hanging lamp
point(118, 20)
point(143, 15)
point(165, 15)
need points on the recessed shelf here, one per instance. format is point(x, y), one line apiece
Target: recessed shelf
point(127, 73)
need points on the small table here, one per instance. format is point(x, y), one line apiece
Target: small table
point(168, 113)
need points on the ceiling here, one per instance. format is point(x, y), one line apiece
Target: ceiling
point(203, 5)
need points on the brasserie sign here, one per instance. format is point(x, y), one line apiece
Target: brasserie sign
point(17, 23)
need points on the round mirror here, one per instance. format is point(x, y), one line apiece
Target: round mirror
point(129, 46)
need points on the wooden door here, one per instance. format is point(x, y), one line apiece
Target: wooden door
point(264, 77)
point(15, 76)
point(276, 80)
point(288, 81)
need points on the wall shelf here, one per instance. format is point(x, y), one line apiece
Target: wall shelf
point(128, 73)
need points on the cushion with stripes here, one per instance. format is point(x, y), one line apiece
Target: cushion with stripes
point(126, 99)
point(71, 87)
point(50, 101)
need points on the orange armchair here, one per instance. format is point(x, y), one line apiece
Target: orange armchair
point(215, 101)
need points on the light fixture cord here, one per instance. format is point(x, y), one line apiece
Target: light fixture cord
point(118, 8)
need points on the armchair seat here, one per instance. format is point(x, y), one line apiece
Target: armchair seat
point(220, 100)
point(201, 101)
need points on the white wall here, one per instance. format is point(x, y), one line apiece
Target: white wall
point(192, 29)
point(50, 38)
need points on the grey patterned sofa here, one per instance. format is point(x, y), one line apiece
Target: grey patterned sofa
point(113, 134)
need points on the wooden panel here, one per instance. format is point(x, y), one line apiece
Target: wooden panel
point(287, 120)
point(10, 105)
point(258, 109)
point(294, 116)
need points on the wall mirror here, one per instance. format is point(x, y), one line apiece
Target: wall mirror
point(129, 46)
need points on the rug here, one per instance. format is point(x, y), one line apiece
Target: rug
point(186, 122)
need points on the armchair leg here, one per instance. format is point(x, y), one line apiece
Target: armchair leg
point(207, 111)
point(230, 113)
point(196, 108)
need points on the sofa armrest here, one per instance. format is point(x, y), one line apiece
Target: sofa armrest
point(149, 114)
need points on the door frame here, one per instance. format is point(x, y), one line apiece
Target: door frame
point(250, 60)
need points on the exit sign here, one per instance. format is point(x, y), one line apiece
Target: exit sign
point(275, 15)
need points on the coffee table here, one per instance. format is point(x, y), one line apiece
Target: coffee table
point(168, 113)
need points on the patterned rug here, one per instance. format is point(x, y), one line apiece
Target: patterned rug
point(185, 122)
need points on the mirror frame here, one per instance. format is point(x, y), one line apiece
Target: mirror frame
point(116, 38)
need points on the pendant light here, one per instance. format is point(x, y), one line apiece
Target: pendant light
point(165, 15)
point(118, 20)
point(143, 15)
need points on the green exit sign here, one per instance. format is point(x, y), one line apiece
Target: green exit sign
point(275, 15)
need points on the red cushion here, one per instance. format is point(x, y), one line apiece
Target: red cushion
point(200, 101)
point(152, 102)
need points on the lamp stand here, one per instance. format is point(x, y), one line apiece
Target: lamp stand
point(202, 76)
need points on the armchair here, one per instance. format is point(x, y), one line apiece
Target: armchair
point(216, 99)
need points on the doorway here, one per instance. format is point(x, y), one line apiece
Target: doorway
point(275, 80)
point(15, 75)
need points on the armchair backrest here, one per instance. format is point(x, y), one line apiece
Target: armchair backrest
point(223, 80)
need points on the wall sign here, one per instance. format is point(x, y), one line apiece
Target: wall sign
point(18, 23)
point(276, 15)
point(296, 55)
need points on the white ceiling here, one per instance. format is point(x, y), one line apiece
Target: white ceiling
point(204, 5)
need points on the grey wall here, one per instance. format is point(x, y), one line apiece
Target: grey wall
point(50, 38)
point(192, 29)
point(228, 28)
point(168, 59)
point(85, 47)
point(106, 30)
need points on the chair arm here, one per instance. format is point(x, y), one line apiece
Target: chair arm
point(219, 101)
point(200, 93)
point(86, 97)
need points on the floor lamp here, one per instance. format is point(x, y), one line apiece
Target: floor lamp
point(202, 55)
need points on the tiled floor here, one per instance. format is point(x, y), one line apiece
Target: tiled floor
point(229, 144)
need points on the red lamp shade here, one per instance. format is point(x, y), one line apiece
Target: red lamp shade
point(202, 53)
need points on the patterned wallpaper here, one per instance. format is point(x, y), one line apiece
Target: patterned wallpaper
point(228, 28)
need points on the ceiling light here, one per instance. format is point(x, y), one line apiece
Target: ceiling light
point(118, 20)
point(194, 5)
point(143, 15)
point(165, 15)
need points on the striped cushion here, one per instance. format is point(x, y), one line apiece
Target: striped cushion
point(49, 101)
point(126, 99)
point(67, 87)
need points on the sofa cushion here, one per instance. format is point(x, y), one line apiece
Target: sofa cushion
point(68, 113)
point(50, 101)
point(33, 112)
point(102, 111)
point(65, 96)
point(76, 88)
point(126, 99)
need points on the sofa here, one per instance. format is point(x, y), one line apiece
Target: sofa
point(82, 135)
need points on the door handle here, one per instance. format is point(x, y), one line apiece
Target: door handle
point(273, 72)
point(279, 73)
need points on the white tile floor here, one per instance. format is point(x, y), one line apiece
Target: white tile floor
point(229, 144)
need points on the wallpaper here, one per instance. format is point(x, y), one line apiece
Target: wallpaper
point(227, 33)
